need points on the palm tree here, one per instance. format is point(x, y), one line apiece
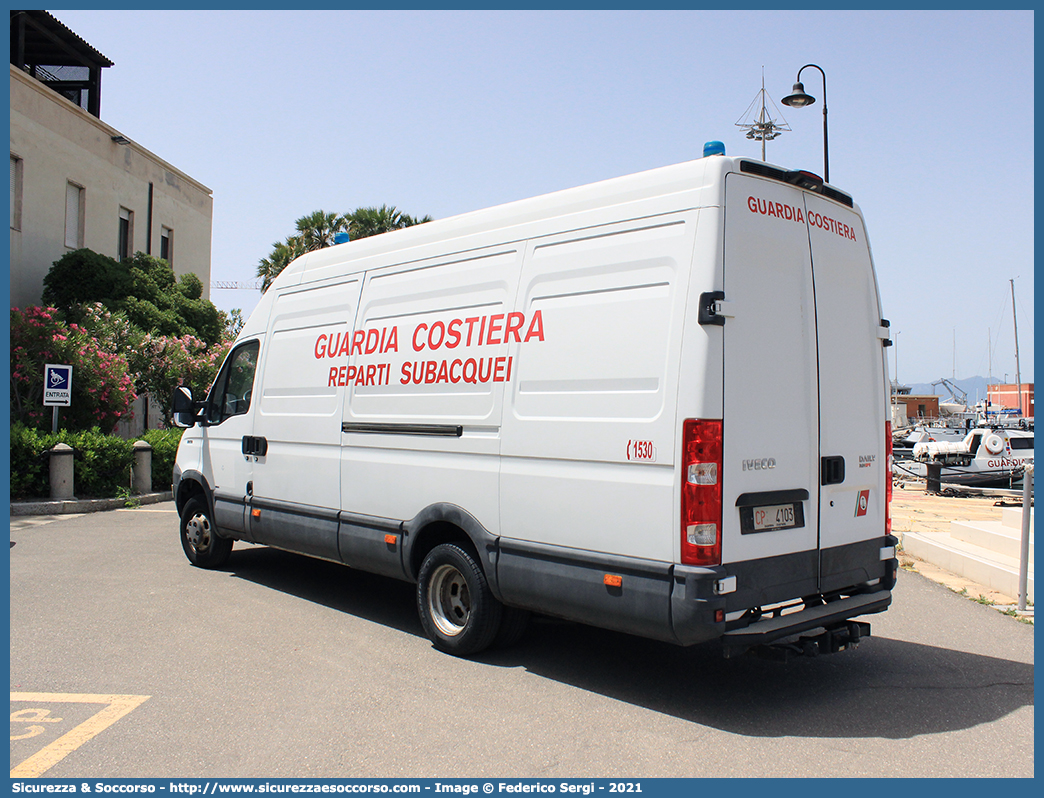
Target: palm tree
point(364, 222)
point(283, 252)
point(317, 229)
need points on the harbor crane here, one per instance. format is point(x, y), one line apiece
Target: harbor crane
point(955, 392)
point(253, 285)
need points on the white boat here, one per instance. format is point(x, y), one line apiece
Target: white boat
point(903, 443)
point(986, 457)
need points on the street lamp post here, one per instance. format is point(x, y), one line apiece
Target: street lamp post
point(799, 99)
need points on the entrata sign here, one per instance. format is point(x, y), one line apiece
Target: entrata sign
point(57, 386)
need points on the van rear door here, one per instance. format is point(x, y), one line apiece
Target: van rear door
point(770, 469)
point(852, 394)
point(803, 471)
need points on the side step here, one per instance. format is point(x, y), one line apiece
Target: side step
point(828, 616)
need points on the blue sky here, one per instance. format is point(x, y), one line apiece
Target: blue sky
point(931, 124)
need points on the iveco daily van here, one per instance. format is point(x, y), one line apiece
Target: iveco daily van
point(655, 404)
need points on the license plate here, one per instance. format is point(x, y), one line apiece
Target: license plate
point(777, 516)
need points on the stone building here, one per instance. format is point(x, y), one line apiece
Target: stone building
point(78, 182)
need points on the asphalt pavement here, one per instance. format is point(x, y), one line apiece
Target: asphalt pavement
point(280, 666)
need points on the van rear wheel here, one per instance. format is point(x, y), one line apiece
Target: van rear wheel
point(199, 539)
point(457, 609)
point(513, 625)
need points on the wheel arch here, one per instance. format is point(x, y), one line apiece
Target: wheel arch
point(193, 483)
point(448, 523)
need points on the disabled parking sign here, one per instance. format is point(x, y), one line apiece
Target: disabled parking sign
point(57, 385)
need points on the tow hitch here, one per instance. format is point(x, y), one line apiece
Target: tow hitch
point(831, 640)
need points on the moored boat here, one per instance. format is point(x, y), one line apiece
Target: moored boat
point(985, 457)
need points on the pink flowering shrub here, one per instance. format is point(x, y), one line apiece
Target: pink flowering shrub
point(102, 388)
point(163, 362)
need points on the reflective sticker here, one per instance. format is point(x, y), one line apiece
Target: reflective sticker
point(862, 503)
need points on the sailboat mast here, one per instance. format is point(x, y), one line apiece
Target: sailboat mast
point(1015, 321)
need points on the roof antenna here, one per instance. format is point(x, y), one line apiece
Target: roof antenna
point(758, 122)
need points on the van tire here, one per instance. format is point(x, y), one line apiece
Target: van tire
point(513, 625)
point(457, 609)
point(203, 546)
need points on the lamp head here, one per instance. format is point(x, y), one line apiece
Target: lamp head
point(798, 99)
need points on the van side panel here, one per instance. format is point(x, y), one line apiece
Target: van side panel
point(447, 368)
point(298, 417)
point(589, 427)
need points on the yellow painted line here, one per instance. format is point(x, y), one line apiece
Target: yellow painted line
point(116, 706)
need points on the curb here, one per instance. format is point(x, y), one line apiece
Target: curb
point(965, 587)
point(47, 507)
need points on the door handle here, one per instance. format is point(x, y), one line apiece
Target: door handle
point(253, 445)
point(711, 303)
point(832, 470)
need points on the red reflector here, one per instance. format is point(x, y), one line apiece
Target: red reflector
point(701, 492)
point(719, 616)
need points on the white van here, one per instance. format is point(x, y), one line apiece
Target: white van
point(655, 404)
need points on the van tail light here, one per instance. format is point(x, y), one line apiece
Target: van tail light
point(888, 477)
point(701, 492)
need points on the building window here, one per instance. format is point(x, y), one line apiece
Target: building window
point(167, 245)
point(123, 248)
point(16, 193)
point(73, 216)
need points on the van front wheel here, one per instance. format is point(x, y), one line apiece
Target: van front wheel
point(457, 609)
point(202, 545)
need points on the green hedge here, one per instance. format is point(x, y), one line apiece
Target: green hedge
point(101, 462)
point(29, 464)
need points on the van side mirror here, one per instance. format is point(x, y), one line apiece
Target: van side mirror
point(183, 407)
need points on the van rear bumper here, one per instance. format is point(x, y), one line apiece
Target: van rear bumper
point(835, 584)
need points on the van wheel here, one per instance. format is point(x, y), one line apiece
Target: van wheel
point(457, 610)
point(202, 545)
point(513, 624)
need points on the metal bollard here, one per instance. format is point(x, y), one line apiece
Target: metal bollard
point(1027, 504)
point(141, 471)
point(933, 480)
point(61, 463)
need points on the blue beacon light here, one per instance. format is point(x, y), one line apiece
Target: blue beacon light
point(713, 148)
